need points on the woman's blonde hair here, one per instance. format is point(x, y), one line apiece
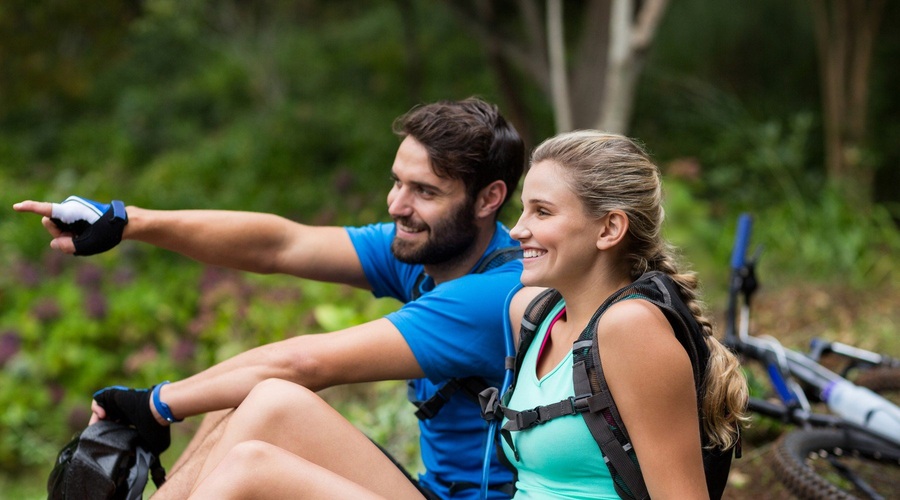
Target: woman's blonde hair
point(612, 172)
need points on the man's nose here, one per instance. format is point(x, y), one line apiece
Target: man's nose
point(398, 203)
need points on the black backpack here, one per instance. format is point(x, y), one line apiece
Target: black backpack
point(107, 460)
point(593, 400)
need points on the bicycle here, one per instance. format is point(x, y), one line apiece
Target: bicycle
point(851, 450)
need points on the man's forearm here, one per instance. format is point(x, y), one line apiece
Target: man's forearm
point(226, 384)
point(372, 351)
point(246, 241)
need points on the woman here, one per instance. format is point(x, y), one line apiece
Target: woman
point(590, 225)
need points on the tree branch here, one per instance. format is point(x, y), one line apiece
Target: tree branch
point(648, 19)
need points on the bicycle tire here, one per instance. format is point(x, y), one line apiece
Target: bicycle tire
point(794, 451)
point(880, 379)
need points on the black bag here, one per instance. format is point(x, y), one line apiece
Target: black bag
point(106, 460)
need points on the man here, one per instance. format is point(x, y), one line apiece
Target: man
point(457, 165)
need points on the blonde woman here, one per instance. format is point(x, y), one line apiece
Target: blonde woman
point(590, 228)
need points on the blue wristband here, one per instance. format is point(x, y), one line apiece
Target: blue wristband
point(162, 408)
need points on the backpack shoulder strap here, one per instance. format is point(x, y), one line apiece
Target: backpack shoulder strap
point(599, 412)
point(602, 417)
point(535, 313)
point(470, 386)
point(537, 310)
point(493, 404)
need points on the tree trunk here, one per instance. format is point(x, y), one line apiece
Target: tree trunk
point(630, 38)
point(590, 64)
point(845, 37)
point(559, 81)
point(619, 70)
point(581, 91)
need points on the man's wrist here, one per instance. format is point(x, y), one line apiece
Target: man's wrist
point(135, 219)
point(156, 415)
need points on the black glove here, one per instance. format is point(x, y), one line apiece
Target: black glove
point(96, 227)
point(132, 407)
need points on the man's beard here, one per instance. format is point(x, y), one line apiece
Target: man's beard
point(448, 240)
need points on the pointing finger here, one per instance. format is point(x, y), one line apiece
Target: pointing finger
point(38, 207)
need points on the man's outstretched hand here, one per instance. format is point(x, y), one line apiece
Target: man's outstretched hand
point(80, 226)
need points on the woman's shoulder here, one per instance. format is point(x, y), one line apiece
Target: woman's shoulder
point(636, 325)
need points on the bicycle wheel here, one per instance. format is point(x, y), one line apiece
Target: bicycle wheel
point(811, 464)
point(880, 379)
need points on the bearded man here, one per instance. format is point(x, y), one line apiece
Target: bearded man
point(457, 165)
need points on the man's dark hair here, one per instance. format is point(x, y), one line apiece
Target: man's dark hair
point(467, 140)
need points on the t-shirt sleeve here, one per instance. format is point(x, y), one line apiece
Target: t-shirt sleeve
point(457, 330)
point(387, 276)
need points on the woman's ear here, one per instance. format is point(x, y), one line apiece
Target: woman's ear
point(490, 199)
point(613, 228)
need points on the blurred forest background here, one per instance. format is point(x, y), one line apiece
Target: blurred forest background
point(786, 109)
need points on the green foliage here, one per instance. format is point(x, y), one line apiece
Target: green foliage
point(829, 241)
point(70, 327)
point(692, 229)
point(286, 107)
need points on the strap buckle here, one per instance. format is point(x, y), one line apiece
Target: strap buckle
point(528, 418)
point(580, 404)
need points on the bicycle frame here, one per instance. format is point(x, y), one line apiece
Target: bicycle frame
point(786, 368)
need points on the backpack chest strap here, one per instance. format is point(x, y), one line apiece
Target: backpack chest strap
point(526, 419)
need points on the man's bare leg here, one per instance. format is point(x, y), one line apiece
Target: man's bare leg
point(210, 424)
point(285, 440)
point(183, 474)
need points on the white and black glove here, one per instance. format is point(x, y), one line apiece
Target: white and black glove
point(95, 227)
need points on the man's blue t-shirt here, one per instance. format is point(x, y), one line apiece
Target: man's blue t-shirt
point(455, 330)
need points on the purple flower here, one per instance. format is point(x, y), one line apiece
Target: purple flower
point(95, 305)
point(89, 276)
point(184, 351)
point(57, 393)
point(123, 275)
point(137, 360)
point(55, 263)
point(46, 310)
point(10, 343)
point(28, 274)
point(211, 278)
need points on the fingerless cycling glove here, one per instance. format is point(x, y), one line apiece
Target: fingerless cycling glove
point(132, 407)
point(96, 227)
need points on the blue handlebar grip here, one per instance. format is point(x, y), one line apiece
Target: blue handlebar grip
point(741, 240)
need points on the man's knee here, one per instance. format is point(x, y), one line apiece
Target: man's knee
point(238, 465)
point(272, 395)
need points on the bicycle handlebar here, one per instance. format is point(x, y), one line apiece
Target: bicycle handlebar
point(741, 241)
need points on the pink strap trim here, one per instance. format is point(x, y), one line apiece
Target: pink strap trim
point(550, 329)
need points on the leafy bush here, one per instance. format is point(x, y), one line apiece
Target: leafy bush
point(70, 326)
